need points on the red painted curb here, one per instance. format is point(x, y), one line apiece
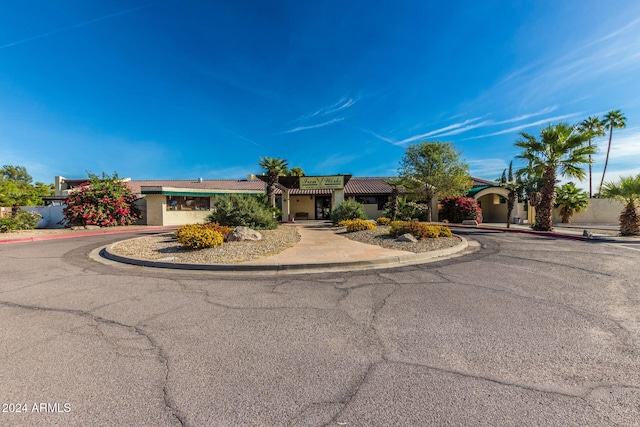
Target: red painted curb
point(81, 234)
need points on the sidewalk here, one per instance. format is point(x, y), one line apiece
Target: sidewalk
point(66, 233)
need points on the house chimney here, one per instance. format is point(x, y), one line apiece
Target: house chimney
point(200, 180)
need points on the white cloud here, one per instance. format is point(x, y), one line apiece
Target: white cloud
point(70, 27)
point(526, 125)
point(319, 125)
point(342, 104)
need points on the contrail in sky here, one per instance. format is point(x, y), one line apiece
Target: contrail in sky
point(81, 24)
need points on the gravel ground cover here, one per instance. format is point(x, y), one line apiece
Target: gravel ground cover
point(164, 247)
point(380, 237)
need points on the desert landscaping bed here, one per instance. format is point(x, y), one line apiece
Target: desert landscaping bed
point(165, 247)
point(380, 237)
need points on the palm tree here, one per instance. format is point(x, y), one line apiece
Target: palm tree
point(594, 127)
point(570, 200)
point(613, 119)
point(296, 172)
point(627, 190)
point(513, 185)
point(560, 149)
point(274, 167)
point(394, 202)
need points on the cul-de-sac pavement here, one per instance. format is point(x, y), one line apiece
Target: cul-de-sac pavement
point(526, 330)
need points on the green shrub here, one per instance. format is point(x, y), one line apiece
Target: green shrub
point(246, 211)
point(357, 225)
point(222, 229)
point(419, 230)
point(383, 220)
point(198, 236)
point(348, 210)
point(23, 220)
point(408, 211)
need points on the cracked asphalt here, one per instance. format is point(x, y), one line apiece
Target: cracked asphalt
point(526, 331)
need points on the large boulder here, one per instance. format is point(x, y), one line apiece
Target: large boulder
point(407, 237)
point(243, 233)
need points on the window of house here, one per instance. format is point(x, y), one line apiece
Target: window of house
point(380, 201)
point(188, 203)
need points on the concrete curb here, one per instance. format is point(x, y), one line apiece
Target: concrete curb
point(385, 262)
point(81, 234)
point(521, 231)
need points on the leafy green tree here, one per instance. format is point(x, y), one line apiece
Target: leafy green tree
point(434, 170)
point(570, 200)
point(627, 190)
point(274, 167)
point(16, 188)
point(594, 127)
point(560, 149)
point(613, 119)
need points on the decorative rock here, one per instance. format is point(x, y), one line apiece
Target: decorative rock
point(243, 233)
point(92, 227)
point(407, 237)
point(469, 222)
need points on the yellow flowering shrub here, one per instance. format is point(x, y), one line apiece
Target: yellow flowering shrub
point(357, 225)
point(383, 220)
point(198, 236)
point(420, 230)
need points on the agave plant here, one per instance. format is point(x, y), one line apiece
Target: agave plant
point(627, 190)
point(570, 200)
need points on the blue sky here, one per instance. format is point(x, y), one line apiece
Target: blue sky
point(181, 90)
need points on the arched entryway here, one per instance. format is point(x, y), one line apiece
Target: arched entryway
point(493, 202)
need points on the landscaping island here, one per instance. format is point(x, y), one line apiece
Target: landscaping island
point(166, 248)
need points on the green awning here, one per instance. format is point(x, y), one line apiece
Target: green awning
point(476, 190)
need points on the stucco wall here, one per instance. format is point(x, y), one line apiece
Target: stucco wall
point(372, 211)
point(299, 203)
point(185, 217)
point(599, 211)
point(52, 216)
point(156, 205)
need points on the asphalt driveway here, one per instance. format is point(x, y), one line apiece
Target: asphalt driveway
point(527, 331)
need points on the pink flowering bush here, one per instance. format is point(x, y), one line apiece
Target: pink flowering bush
point(106, 202)
point(457, 209)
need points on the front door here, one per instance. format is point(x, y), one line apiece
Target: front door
point(323, 207)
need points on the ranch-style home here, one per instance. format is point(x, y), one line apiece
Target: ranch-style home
point(177, 202)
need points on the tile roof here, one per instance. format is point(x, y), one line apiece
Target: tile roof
point(206, 184)
point(356, 185)
point(367, 185)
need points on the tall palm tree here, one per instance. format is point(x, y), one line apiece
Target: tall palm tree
point(513, 186)
point(627, 190)
point(560, 149)
point(296, 172)
point(274, 167)
point(594, 127)
point(394, 201)
point(570, 199)
point(613, 119)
